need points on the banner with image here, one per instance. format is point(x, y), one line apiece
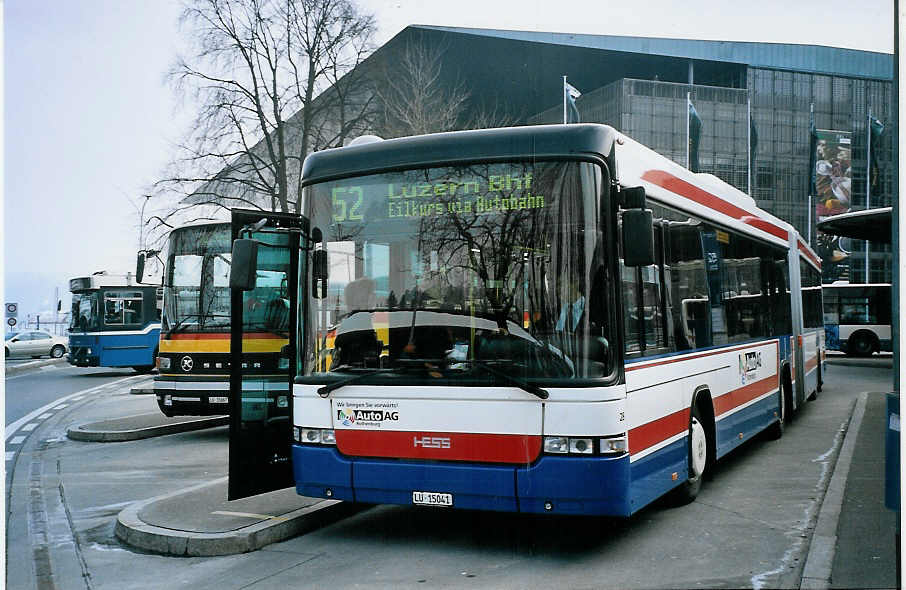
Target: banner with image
point(832, 174)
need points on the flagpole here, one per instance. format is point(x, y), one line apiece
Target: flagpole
point(810, 212)
point(688, 106)
point(564, 100)
point(867, 183)
point(749, 140)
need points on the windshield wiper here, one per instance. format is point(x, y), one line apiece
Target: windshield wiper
point(511, 379)
point(325, 390)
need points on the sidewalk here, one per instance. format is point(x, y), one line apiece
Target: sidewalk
point(854, 542)
point(199, 520)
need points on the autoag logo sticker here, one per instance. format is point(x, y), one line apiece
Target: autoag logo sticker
point(366, 413)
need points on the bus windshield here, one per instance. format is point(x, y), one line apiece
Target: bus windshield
point(197, 286)
point(456, 272)
point(84, 316)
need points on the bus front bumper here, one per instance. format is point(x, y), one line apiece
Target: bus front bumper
point(552, 484)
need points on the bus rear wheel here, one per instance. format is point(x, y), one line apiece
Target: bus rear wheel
point(860, 344)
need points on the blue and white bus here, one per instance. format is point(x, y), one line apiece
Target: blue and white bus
point(549, 319)
point(857, 318)
point(114, 322)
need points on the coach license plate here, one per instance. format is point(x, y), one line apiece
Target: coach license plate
point(432, 499)
point(218, 400)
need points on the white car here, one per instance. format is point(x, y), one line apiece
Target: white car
point(35, 344)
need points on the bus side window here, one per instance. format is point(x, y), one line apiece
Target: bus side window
point(688, 286)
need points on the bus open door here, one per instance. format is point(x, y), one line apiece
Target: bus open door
point(263, 280)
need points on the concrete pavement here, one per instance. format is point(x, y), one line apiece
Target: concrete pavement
point(853, 543)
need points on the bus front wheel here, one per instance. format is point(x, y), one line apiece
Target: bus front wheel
point(698, 459)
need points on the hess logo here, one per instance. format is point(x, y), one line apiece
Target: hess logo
point(431, 442)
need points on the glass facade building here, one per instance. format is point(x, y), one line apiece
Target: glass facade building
point(654, 113)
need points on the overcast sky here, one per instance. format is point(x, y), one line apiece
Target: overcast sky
point(89, 122)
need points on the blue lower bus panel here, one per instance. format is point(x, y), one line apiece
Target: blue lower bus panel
point(557, 485)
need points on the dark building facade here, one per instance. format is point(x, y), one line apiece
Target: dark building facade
point(640, 86)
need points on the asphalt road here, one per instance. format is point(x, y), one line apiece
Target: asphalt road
point(750, 526)
point(28, 391)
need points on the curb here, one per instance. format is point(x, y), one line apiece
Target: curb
point(870, 363)
point(83, 434)
point(133, 531)
point(816, 574)
point(33, 365)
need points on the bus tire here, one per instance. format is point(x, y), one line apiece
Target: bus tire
point(775, 430)
point(698, 458)
point(861, 344)
point(814, 394)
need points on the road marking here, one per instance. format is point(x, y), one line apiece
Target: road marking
point(10, 455)
point(45, 415)
point(30, 426)
point(12, 428)
point(249, 515)
point(17, 440)
point(59, 407)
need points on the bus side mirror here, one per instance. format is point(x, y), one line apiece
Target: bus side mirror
point(244, 265)
point(59, 304)
point(140, 267)
point(319, 273)
point(638, 237)
point(632, 198)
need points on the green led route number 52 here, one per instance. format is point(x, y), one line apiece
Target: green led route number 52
point(342, 210)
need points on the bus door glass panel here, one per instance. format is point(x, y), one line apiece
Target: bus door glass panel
point(260, 371)
point(689, 291)
point(714, 264)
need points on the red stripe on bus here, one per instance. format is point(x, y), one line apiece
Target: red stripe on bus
point(647, 435)
point(448, 446)
point(808, 254)
point(702, 197)
point(745, 394)
point(811, 364)
point(635, 367)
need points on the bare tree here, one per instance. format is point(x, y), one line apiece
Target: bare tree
point(417, 98)
point(268, 76)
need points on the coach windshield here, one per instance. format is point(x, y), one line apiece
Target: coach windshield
point(460, 273)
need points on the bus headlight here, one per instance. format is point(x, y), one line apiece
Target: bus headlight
point(585, 445)
point(614, 445)
point(313, 436)
point(164, 362)
point(581, 446)
point(556, 444)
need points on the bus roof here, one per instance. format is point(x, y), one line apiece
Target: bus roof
point(507, 143)
point(665, 181)
point(104, 279)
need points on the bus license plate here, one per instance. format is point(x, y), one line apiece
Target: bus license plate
point(432, 499)
point(218, 400)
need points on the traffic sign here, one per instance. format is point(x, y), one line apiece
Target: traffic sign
point(11, 322)
point(12, 310)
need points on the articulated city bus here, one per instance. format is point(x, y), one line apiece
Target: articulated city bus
point(549, 319)
point(194, 368)
point(857, 317)
point(115, 322)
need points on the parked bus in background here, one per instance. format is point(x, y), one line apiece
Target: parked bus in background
point(549, 319)
point(194, 369)
point(115, 322)
point(857, 318)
